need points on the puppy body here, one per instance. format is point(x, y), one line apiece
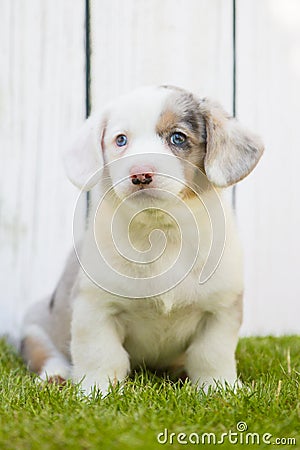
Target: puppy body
point(104, 332)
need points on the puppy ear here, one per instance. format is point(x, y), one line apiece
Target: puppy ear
point(84, 156)
point(231, 151)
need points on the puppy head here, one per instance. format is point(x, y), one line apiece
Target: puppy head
point(135, 130)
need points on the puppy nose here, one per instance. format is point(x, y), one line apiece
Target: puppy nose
point(141, 174)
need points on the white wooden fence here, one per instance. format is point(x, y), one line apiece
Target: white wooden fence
point(191, 43)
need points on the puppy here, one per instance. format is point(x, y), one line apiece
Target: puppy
point(157, 277)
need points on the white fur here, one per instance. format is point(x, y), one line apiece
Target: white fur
point(215, 173)
point(112, 334)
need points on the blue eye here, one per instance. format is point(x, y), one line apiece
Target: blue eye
point(121, 140)
point(178, 138)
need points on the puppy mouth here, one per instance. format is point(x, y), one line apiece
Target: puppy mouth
point(143, 187)
point(156, 194)
point(138, 192)
point(149, 191)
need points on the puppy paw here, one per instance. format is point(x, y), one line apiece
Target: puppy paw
point(214, 385)
point(55, 370)
point(58, 380)
point(89, 386)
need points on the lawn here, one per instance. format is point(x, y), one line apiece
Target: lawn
point(39, 417)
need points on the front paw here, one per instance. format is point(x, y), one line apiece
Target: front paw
point(92, 382)
point(89, 387)
point(218, 384)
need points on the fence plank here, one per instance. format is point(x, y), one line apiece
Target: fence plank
point(267, 203)
point(141, 42)
point(138, 42)
point(41, 100)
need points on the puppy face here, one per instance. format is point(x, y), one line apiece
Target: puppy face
point(142, 127)
point(132, 133)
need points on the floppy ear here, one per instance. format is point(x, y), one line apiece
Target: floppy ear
point(84, 156)
point(231, 151)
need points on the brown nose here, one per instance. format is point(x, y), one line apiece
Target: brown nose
point(141, 174)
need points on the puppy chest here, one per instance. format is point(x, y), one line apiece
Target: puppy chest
point(155, 337)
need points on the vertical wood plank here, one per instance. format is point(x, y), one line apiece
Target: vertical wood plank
point(139, 42)
point(142, 42)
point(268, 202)
point(42, 99)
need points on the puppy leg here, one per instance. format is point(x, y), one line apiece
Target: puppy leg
point(99, 359)
point(211, 355)
point(41, 355)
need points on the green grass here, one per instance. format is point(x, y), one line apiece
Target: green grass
point(39, 417)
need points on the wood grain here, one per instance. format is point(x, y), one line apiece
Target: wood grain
point(140, 42)
point(41, 101)
point(268, 201)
